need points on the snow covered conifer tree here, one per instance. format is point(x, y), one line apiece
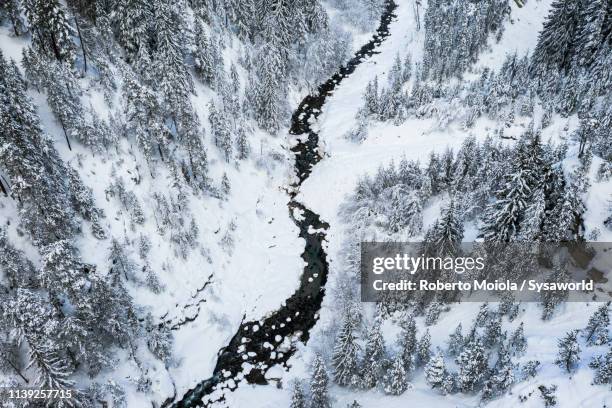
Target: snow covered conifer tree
point(493, 333)
point(204, 55)
point(243, 148)
point(596, 332)
point(344, 358)
point(455, 341)
point(548, 395)
point(267, 89)
point(319, 397)
point(408, 343)
point(220, 129)
point(556, 44)
point(13, 10)
point(374, 355)
point(569, 351)
point(503, 376)
point(472, 364)
point(371, 98)
point(447, 237)
point(550, 299)
point(172, 76)
point(435, 371)
point(298, 399)
point(518, 342)
point(395, 382)
point(502, 219)
point(424, 349)
point(120, 262)
point(50, 28)
point(603, 369)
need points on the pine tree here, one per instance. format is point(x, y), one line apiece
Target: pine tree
point(243, 148)
point(50, 28)
point(455, 341)
point(518, 342)
point(503, 376)
point(493, 333)
point(433, 312)
point(143, 112)
point(204, 54)
point(550, 299)
point(530, 369)
point(424, 349)
point(407, 342)
point(548, 395)
point(298, 399)
point(134, 19)
point(503, 217)
point(603, 369)
point(591, 31)
point(435, 371)
point(267, 90)
point(172, 77)
point(220, 129)
point(371, 98)
point(596, 332)
point(447, 236)
point(556, 42)
point(120, 262)
point(472, 364)
point(51, 371)
point(344, 358)
point(374, 355)
point(13, 10)
point(319, 397)
point(569, 351)
point(395, 382)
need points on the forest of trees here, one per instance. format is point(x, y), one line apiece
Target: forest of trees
point(65, 319)
point(567, 73)
point(514, 192)
point(62, 317)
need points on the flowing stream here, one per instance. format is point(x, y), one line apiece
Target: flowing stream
point(259, 345)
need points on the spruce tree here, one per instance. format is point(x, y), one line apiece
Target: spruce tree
point(424, 349)
point(134, 19)
point(569, 351)
point(556, 42)
point(395, 382)
point(344, 358)
point(472, 364)
point(319, 397)
point(172, 77)
point(13, 10)
point(518, 342)
point(596, 332)
point(603, 369)
point(503, 217)
point(435, 371)
point(407, 343)
point(298, 399)
point(204, 54)
point(50, 28)
point(455, 341)
point(374, 355)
